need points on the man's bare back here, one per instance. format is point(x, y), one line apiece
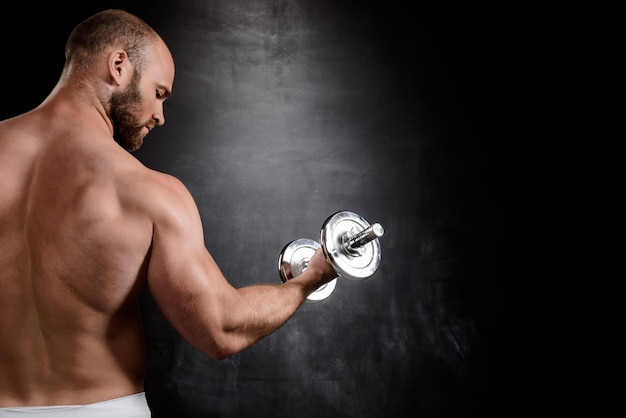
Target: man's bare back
point(74, 248)
point(85, 227)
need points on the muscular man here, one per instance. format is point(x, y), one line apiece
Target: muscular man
point(84, 226)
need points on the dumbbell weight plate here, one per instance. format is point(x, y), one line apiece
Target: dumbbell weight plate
point(293, 260)
point(354, 265)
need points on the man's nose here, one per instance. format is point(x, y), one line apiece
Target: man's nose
point(159, 119)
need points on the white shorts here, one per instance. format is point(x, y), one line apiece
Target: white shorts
point(133, 406)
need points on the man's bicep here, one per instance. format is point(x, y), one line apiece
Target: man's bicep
point(183, 278)
point(177, 236)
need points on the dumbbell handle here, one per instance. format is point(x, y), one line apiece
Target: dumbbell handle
point(361, 238)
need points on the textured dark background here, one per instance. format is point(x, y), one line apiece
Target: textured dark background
point(286, 111)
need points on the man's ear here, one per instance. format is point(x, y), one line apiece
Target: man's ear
point(119, 67)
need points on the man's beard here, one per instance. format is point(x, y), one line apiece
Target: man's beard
point(127, 130)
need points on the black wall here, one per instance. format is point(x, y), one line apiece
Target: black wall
point(286, 111)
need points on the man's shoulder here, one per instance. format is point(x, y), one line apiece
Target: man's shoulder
point(155, 181)
point(155, 189)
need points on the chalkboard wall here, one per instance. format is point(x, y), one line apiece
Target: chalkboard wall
point(284, 112)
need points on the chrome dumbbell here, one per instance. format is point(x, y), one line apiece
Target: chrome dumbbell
point(350, 244)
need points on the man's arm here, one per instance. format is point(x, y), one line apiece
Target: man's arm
point(196, 298)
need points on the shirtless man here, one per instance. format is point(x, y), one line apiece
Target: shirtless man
point(84, 226)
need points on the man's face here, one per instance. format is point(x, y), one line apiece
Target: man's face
point(124, 106)
point(139, 108)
